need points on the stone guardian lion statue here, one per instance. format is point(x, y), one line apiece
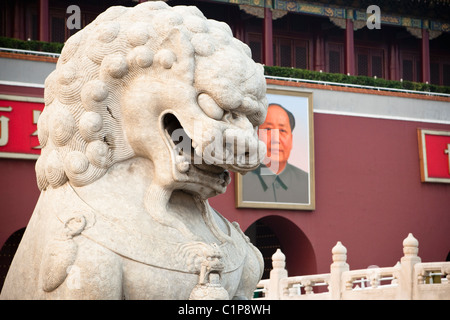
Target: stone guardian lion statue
point(147, 110)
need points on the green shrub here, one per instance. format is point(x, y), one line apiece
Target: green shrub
point(32, 45)
point(358, 80)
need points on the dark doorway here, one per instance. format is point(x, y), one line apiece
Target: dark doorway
point(7, 253)
point(273, 232)
point(262, 236)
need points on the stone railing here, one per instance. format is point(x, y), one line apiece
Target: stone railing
point(408, 279)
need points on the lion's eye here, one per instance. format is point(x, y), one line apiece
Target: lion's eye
point(210, 107)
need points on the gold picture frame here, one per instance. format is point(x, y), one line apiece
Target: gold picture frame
point(424, 153)
point(247, 188)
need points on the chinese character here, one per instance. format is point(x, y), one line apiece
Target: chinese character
point(4, 127)
point(36, 114)
point(447, 151)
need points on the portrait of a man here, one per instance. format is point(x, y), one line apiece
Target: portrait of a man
point(285, 178)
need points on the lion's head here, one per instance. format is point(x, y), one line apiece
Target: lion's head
point(157, 82)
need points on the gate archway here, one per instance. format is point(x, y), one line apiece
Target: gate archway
point(273, 232)
point(7, 253)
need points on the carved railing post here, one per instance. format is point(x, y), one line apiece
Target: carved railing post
point(277, 273)
point(409, 259)
point(338, 266)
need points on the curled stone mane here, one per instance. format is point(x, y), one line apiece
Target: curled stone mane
point(80, 129)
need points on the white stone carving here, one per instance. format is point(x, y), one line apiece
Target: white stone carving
point(147, 110)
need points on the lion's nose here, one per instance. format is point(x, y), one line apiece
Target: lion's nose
point(238, 120)
point(244, 145)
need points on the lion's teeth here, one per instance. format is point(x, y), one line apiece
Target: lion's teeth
point(182, 164)
point(198, 151)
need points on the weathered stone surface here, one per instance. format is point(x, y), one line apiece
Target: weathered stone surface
point(147, 110)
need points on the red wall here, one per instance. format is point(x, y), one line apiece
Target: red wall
point(18, 195)
point(368, 196)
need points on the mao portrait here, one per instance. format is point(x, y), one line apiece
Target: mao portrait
point(285, 179)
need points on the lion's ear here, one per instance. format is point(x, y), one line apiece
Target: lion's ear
point(177, 54)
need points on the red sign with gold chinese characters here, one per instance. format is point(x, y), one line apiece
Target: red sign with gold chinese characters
point(18, 129)
point(434, 151)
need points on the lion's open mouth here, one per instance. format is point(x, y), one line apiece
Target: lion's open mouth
point(188, 154)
